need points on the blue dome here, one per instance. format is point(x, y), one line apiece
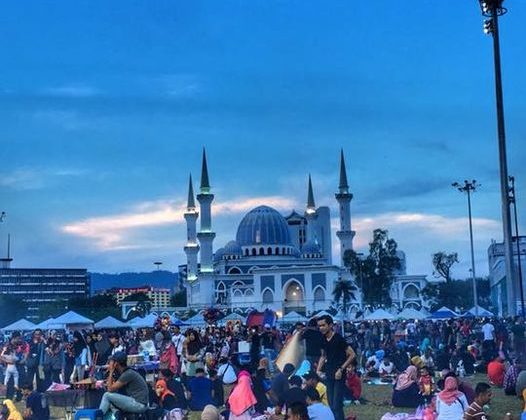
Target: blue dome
point(310, 248)
point(233, 248)
point(219, 254)
point(263, 225)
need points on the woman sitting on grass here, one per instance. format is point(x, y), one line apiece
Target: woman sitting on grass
point(406, 391)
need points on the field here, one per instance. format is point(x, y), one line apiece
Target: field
point(378, 398)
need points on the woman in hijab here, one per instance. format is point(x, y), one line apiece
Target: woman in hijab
point(166, 397)
point(9, 411)
point(242, 400)
point(451, 403)
point(406, 391)
point(261, 386)
point(168, 358)
point(80, 353)
point(193, 352)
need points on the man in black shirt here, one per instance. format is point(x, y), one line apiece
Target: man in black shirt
point(313, 342)
point(335, 358)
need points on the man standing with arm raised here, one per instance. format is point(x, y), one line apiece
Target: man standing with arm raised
point(337, 355)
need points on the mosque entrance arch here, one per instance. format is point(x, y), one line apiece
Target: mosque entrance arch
point(294, 297)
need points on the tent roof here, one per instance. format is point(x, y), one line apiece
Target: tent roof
point(293, 317)
point(410, 313)
point(379, 314)
point(147, 322)
point(481, 312)
point(71, 317)
point(20, 325)
point(196, 320)
point(110, 322)
point(443, 313)
point(46, 324)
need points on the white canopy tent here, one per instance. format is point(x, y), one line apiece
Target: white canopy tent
point(47, 324)
point(379, 315)
point(72, 321)
point(147, 322)
point(110, 322)
point(291, 318)
point(478, 311)
point(410, 313)
point(20, 325)
point(196, 321)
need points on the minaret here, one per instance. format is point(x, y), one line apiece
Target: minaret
point(191, 248)
point(310, 215)
point(205, 235)
point(344, 197)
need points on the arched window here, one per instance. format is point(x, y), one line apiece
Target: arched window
point(234, 270)
point(237, 293)
point(294, 294)
point(269, 251)
point(249, 292)
point(261, 251)
point(251, 269)
point(283, 251)
point(319, 294)
point(411, 292)
point(277, 251)
point(253, 251)
point(268, 296)
point(246, 252)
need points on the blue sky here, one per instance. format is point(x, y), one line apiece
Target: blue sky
point(105, 107)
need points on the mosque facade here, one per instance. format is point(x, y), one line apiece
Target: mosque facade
point(279, 262)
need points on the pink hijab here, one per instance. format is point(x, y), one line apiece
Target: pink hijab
point(450, 393)
point(406, 378)
point(242, 397)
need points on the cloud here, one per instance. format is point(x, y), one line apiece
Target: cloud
point(73, 91)
point(66, 119)
point(36, 178)
point(180, 85)
point(116, 232)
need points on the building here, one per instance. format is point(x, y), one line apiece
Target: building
point(277, 262)
point(497, 272)
point(159, 297)
point(41, 286)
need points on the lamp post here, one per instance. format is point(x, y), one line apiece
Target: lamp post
point(492, 9)
point(468, 188)
point(513, 200)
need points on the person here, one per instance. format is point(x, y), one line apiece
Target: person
point(386, 367)
point(129, 392)
point(496, 371)
point(353, 383)
point(313, 342)
point(193, 352)
point(298, 411)
point(226, 371)
point(200, 391)
point(425, 383)
point(210, 413)
point(255, 347)
point(518, 329)
point(267, 341)
point(294, 393)
point(280, 384)
point(261, 388)
point(510, 377)
point(406, 392)
point(37, 407)
point(54, 361)
point(450, 402)
point(476, 410)
point(165, 397)
point(521, 383)
point(178, 340)
point(9, 411)
point(115, 343)
point(80, 353)
point(242, 400)
point(316, 409)
point(35, 358)
point(168, 354)
point(488, 345)
point(102, 348)
point(336, 356)
point(313, 380)
point(8, 356)
point(175, 387)
point(217, 386)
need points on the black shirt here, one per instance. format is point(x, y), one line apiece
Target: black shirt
point(313, 342)
point(294, 395)
point(335, 353)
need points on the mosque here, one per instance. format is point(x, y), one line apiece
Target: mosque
point(277, 262)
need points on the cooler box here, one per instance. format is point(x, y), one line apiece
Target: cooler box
point(89, 414)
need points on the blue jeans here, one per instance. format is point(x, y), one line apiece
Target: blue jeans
point(335, 393)
point(114, 401)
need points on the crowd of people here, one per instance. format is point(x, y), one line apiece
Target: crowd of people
point(235, 371)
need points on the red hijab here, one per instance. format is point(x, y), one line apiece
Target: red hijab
point(242, 397)
point(450, 393)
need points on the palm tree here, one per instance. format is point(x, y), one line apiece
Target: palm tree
point(344, 292)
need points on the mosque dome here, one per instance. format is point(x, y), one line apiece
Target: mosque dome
point(232, 248)
point(263, 225)
point(219, 254)
point(311, 248)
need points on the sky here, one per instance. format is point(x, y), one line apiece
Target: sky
point(105, 108)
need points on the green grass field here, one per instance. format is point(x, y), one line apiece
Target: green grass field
point(379, 397)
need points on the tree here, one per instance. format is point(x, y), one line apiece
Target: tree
point(442, 263)
point(95, 307)
point(179, 298)
point(377, 271)
point(12, 308)
point(344, 292)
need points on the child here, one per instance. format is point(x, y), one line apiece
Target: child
point(217, 386)
point(8, 356)
point(426, 384)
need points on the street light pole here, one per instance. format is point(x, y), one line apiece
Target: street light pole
point(467, 188)
point(513, 200)
point(492, 9)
